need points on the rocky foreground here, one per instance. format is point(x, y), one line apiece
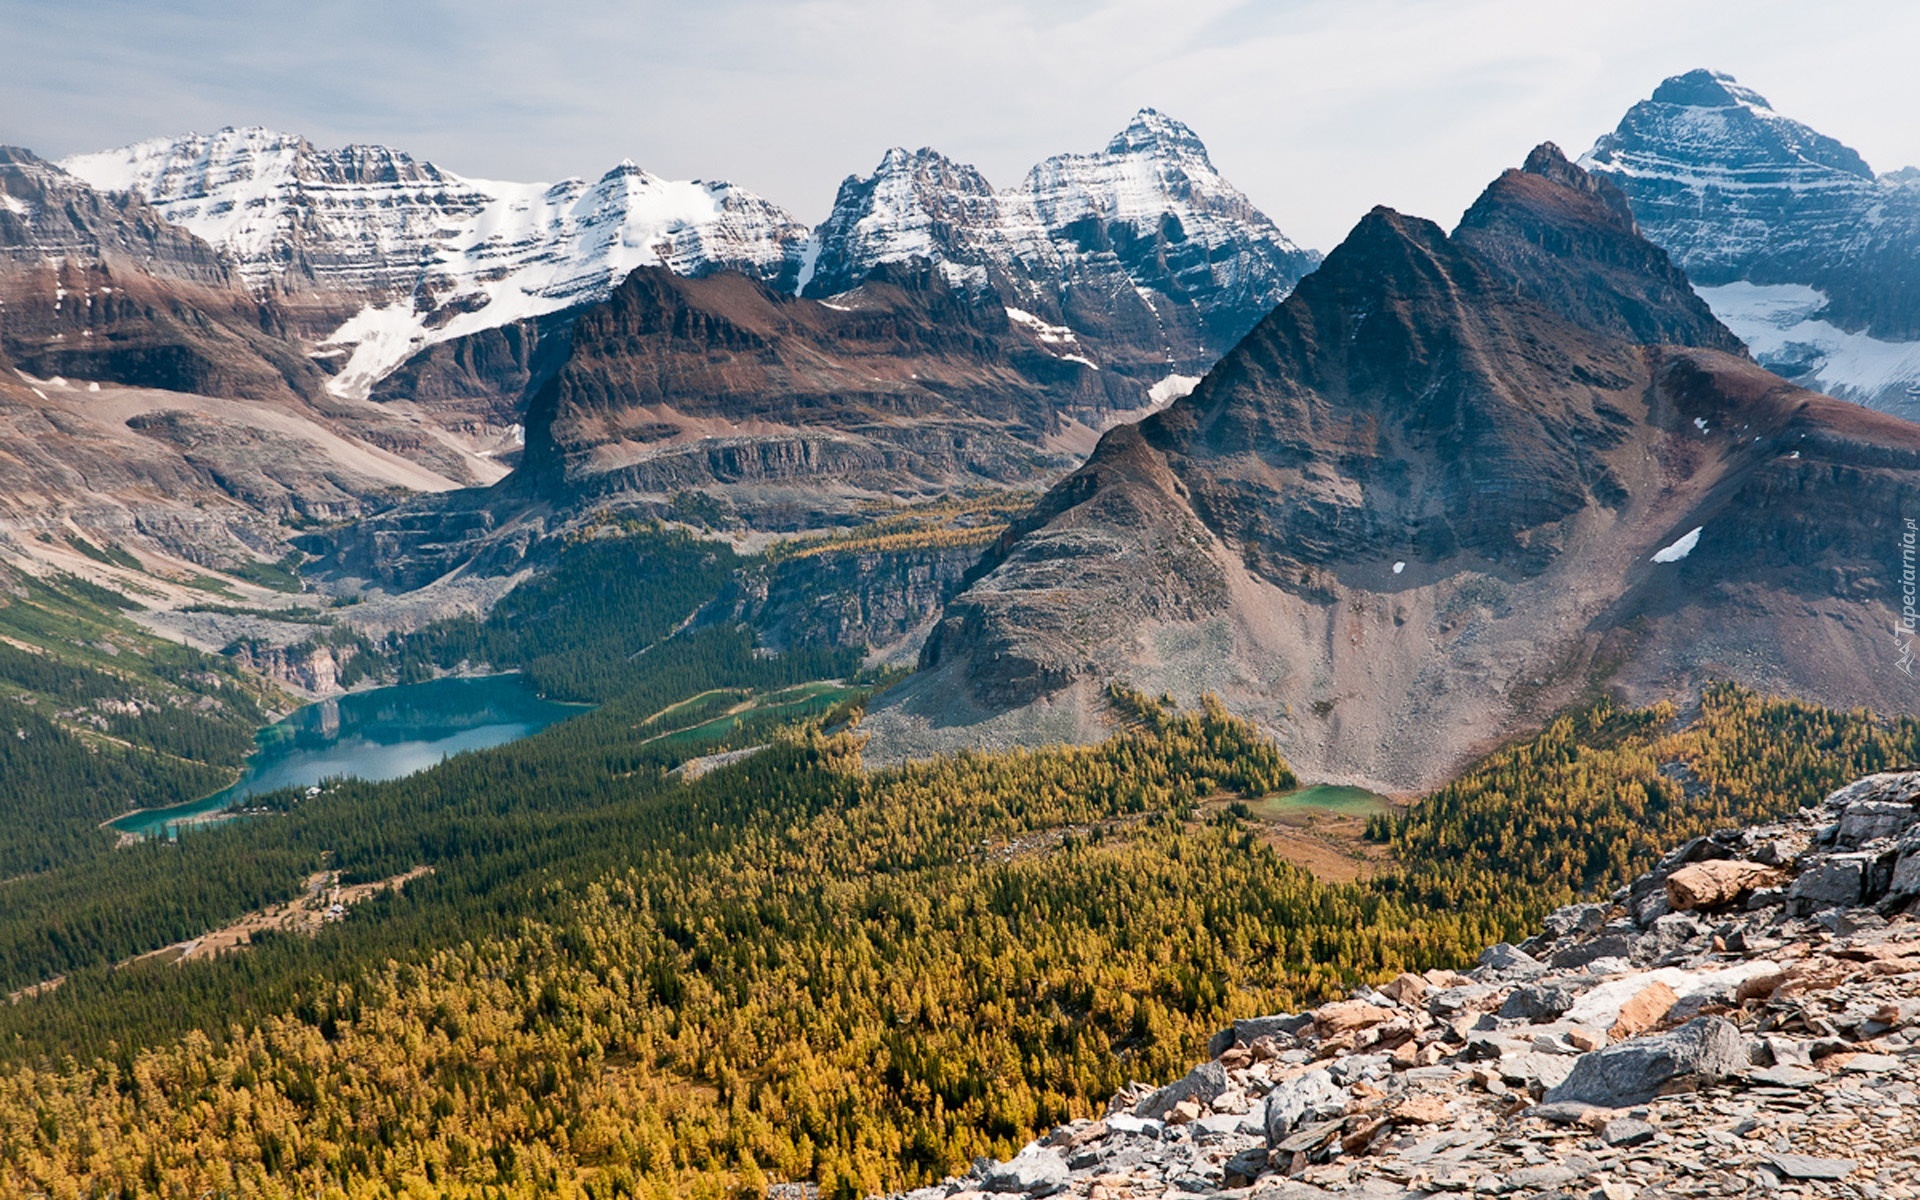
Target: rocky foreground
point(1742, 1020)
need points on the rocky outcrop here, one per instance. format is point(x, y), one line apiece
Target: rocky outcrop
point(1793, 239)
point(1139, 258)
point(1450, 484)
point(1783, 1052)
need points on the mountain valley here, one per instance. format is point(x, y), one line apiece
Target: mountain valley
point(975, 611)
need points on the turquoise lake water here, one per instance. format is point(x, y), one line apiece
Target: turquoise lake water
point(380, 734)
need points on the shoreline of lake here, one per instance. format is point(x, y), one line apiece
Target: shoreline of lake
point(371, 734)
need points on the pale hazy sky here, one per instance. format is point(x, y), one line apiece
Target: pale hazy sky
point(1318, 109)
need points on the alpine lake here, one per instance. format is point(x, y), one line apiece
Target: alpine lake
point(384, 733)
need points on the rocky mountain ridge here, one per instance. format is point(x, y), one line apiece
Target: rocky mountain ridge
point(1451, 484)
point(1744, 1019)
point(377, 257)
point(387, 255)
point(1139, 257)
point(1789, 235)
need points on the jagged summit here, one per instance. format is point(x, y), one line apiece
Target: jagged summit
point(1150, 129)
point(1703, 88)
point(1790, 237)
point(386, 255)
point(1141, 255)
point(1443, 488)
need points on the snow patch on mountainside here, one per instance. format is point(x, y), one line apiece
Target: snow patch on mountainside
point(432, 256)
point(1147, 215)
point(1781, 325)
point(1172, 388)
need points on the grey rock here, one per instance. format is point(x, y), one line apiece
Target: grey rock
point(1204, 1083)
point(1296, 1101)
point(1539, 1002)
point(1626, 1131)
point(1547, 1175)
point(1897, 786)
point(1609, 945)
point(1354, 1067)
point(1245, 1167)
point(1567, 1112)
point(1650, 908)
point(1505, 956)
point(1035, 1171)
point(1765, 898)
point(1252, 1029)
point(1786, 1075)
point(1870, 820)
point(1672, 934)
point(1803, 1166)
point(1451, 1001)
point(1311, 1138)
point(1637, 1070)
point(1830, 881)
point(1906, 875)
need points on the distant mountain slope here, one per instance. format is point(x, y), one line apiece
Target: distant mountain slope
point(384, 255)
point(102, 287)
point(1140, 258)
point(1450, 484)
point(1799, 247)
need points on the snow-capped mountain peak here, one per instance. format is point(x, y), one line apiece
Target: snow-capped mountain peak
point(1786, 232)
point(426, 255)
point(1143, 236)
point(1152, 130)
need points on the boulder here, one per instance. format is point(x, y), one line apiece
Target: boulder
point(1311, 1096)
point(1906, 869)
point(1539, 1002)
point(1035, 1171)
point(1870, 820)
point(1347, 1016)
point(1643, 1011)
point(1634, 1072)
point(1720, 883)
point(1507, 957)
point(1831, 881)
point(1202, 1085)
point(1610, 945)
point(1250, 1030)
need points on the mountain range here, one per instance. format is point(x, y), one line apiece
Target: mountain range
point(1454, 483)
point(1805, 253)
point(380, 256)
point(1392, 522)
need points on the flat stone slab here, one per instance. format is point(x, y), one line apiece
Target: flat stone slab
point(1873, 1064)
point(1805, 1166)
point(1788, 1077)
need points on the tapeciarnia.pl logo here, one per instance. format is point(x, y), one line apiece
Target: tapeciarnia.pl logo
point(1904, 629)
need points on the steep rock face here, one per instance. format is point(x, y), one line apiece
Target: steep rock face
point(101, 287)
point(1451, 483)
point(1140, 258)
point(383, 256)
point(903, 384)
point(1798, 246)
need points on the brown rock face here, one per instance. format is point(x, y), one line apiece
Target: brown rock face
point(98, 287)
point(1717, 883)
point(1452, 483)
point(1643, 1011)
point(900, 386)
